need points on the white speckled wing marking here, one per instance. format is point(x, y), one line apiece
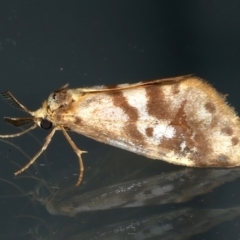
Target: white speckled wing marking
point(161, 128)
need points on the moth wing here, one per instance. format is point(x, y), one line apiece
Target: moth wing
point(134, 85)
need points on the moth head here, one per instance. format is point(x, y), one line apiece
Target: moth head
point(39, 117)
point(59, 98)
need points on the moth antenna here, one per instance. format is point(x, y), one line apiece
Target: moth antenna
point(18, 122)
point(13, 101)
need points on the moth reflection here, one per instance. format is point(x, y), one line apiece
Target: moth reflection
point(176, 224)
point(175, 187)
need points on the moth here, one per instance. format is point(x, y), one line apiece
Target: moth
point(182, 120)
point(172, 187)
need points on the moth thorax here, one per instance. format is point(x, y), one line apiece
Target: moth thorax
point(59, 99)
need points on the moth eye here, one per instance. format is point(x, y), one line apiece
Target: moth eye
point(45, 124)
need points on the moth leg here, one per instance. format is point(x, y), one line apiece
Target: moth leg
point(79, 154)
point(48, 140)
point(20, 133)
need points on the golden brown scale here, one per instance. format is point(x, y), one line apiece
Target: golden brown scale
point(210, 107)
point(149, 131)
point(227, 130)
point(131, 130)
point(160, 110)
point(235, 141)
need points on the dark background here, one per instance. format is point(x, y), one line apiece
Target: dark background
point(45, 44)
